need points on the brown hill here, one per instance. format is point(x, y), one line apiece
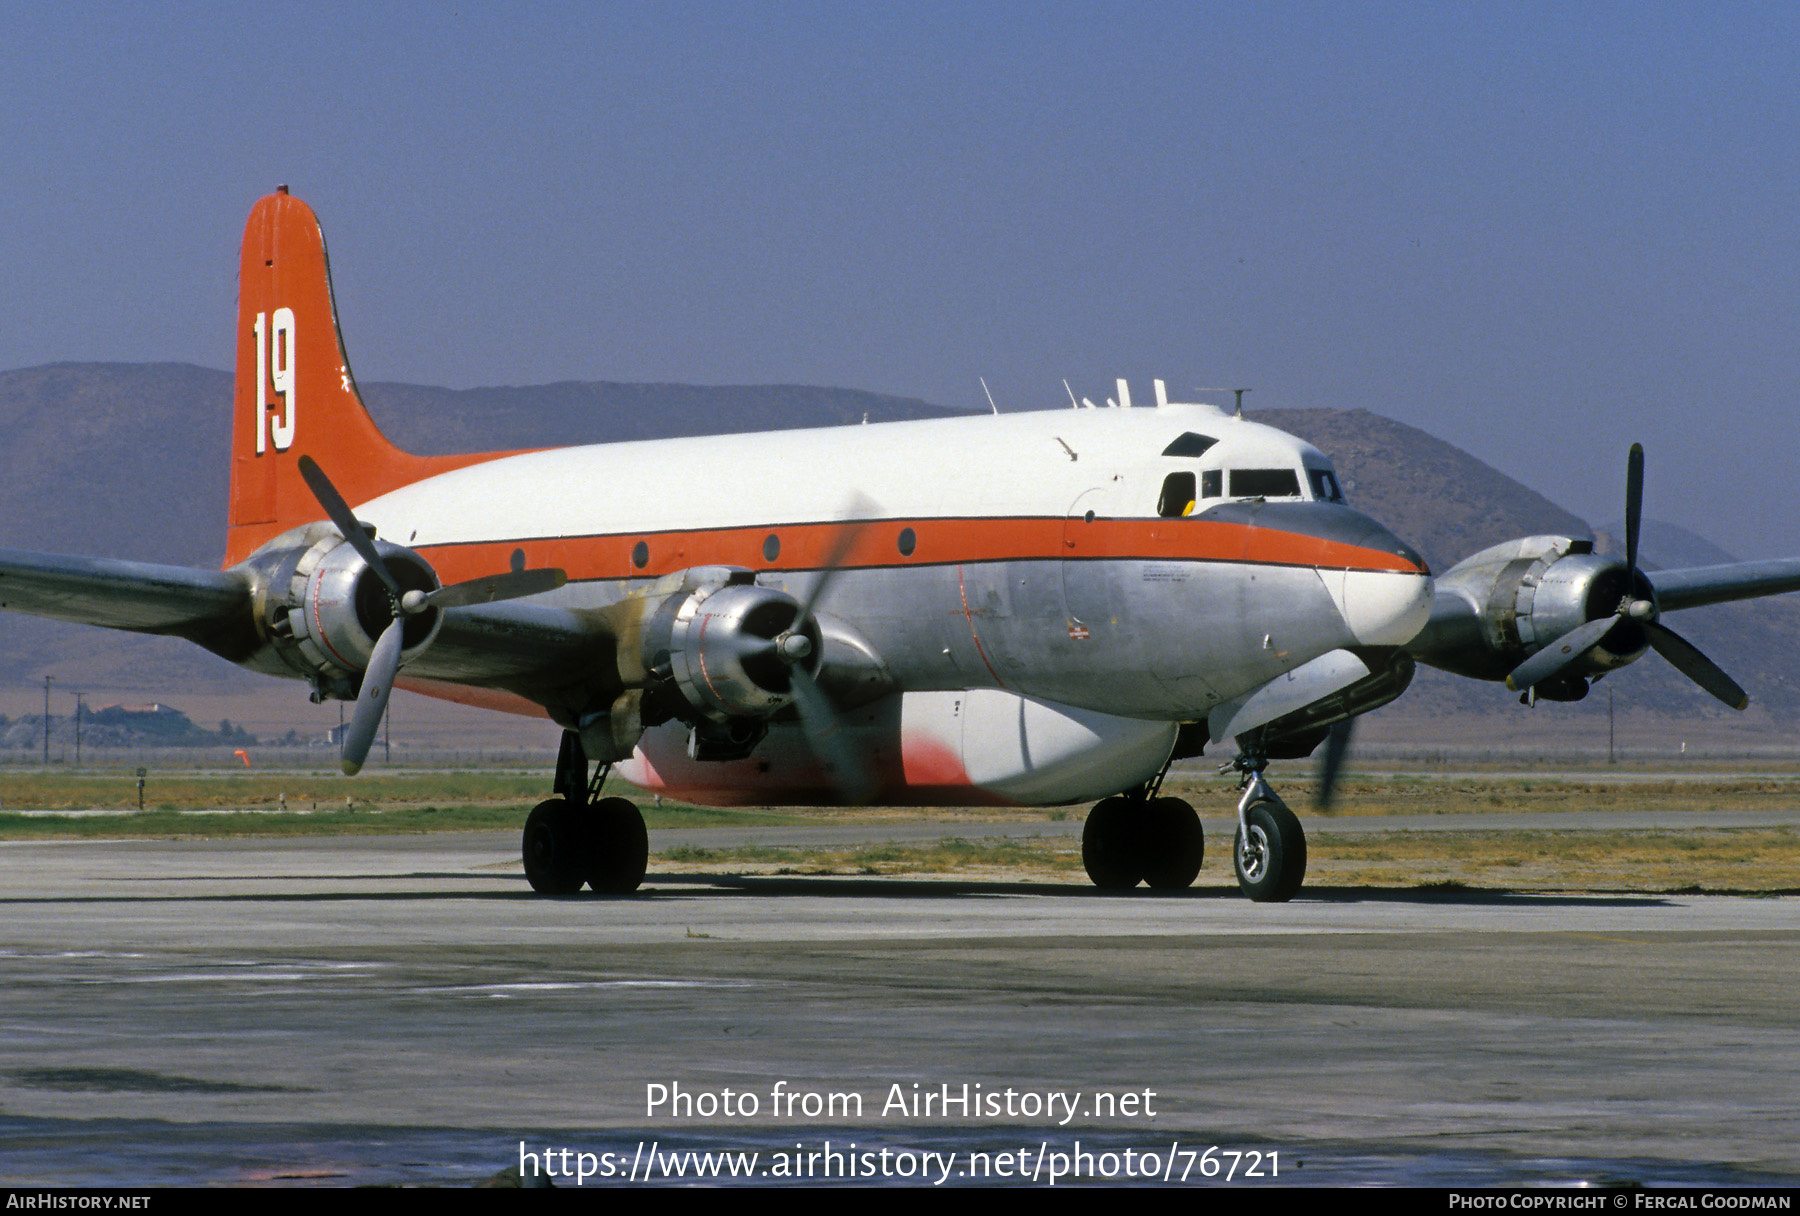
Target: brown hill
point(1441, 499)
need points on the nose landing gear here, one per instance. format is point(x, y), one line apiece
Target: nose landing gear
point(1269, 852)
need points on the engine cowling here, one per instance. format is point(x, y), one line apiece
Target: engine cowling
point(710, 648)
point(717, 648)
point(732, 651)
point(1499, 607)
point(323, 608)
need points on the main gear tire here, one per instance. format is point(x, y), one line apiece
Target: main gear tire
point(1173, 844)
point(552, 848)
point(616, 851)
point(1109, 845)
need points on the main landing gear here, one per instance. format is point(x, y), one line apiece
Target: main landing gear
point(578, 838)
point(1139, 837)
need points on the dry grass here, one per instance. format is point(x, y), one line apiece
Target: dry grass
point(1704, 859)
point(1755, 860)
point(1747, 859)
point(1466, 793)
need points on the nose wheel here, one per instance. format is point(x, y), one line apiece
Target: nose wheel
point(1269, 851)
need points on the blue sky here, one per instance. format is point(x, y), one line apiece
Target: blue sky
point(1539, 231)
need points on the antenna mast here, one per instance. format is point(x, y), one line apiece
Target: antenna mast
point(1239, 392)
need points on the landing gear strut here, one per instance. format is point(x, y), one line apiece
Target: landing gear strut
point(578, 838)
point(1269, 852)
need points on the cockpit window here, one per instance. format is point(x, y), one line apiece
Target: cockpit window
point(1211, 483)
point(1177, 496)
point(1190, 444)
point(1325, 486)
point(1265, 483)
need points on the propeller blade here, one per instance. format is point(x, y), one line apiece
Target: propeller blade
point(825, 735)
point(1559, 654)
point(860, 508)
point(1687, 659)
point(371, 703)
point(344, 519)
point(1634, 502)
point(486, 590)
point(1331, 764)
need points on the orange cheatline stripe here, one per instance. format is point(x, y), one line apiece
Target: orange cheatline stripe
point(808, 546)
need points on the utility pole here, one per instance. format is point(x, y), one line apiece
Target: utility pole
point(78, 708)
point(47, 680)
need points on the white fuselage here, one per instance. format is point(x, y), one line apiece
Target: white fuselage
point(1041, 555)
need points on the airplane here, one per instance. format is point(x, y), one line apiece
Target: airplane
point(1036, 608)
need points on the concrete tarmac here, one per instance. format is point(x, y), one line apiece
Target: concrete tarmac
point(404, 1010)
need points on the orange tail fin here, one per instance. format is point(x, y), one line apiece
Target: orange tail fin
point(294, 393)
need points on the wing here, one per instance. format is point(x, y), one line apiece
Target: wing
point(705, 644)
point(534, 650)
point(1702, 585)
point(530, 649)
point(211, 607)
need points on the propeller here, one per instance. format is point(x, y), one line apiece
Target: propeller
point(384, 660)
point(819, 722)
point(1680, 653)
point(1331, 764)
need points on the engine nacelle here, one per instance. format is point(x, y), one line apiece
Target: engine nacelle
point(729, 647)
point(1499, 607)
point(322, 608)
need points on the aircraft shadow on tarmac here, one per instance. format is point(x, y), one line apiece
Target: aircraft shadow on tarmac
point(703, 886)
point(891, 888)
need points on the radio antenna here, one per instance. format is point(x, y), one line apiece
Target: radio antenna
point(1239, 392)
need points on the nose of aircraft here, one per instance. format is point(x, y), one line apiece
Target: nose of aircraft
point(1385, 608)
point(1379, 584)
point(1386, 601)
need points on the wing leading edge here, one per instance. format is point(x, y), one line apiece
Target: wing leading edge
point(530, 649)
point(1703, 585)
point(211, 607)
